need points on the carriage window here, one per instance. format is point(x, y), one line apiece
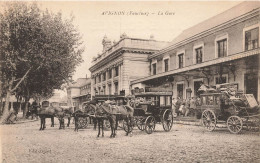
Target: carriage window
point(168, 100)
point(153, 100)
point(162, 101)
point(210, 100)
point(217, 100)
point(204, 100)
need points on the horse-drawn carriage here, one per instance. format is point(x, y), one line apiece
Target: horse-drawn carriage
point(229, 105)
point(83, 114)
point(151, 108)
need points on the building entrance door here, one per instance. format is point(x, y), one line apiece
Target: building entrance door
point(197, 85)
point(180, 90)
point(251, 85)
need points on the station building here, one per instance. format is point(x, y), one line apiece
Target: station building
point(121, 62)
point(222, 49)
point(79, 92)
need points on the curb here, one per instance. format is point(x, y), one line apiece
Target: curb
point(197, 123)
point(19, 122)
point(188, 123)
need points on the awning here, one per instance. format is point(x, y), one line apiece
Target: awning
point(154, 94)
point(80, 96)
point(201, 65)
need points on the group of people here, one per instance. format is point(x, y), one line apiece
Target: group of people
point(185, 107)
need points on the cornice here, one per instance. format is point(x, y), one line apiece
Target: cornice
point(208, 32)
point(118, 53)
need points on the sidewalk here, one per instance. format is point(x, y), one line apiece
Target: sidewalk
point(21, 119)
point(187, 121)
point(193, 121)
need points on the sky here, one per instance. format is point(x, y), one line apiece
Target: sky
point(164, 20)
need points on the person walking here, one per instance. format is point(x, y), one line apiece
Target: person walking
point(192, 106)
point(178, 104)
point(174, 101)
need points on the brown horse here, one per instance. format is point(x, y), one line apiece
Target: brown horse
point(113, 112)
point(51, 112)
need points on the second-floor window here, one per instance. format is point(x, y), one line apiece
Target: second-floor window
point(199, 54)
point(222, 48)
point(166, 65)
point(181, 61)
point(99, 78)
point(104, 76)
point(110, 73)
point(252, 39)
point(154, 68)
point(116, 71)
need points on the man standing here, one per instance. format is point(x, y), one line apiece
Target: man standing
point(174, 101)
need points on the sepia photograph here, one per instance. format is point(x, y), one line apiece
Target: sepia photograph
point(129, 81)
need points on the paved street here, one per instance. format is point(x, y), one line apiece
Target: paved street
point(184, 143)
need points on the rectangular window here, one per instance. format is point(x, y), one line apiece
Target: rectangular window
point(222, 48)
point(99, 78)
point(181, 60)
point(154, 68)
point(166, 65)
point(199, 55)
point(104, 76)
point(116, 71)
point(162, 100)
point(168, 100)
point(109, 89)
point(110, 73)
point(116, 88)
point(95, 80)
point(252, 39)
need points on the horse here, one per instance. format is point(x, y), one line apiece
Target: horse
point(51, 112)
point(102, 114)
point(68, 111)
point(113, 112)
point(44, 113)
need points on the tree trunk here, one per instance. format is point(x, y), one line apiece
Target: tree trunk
point(26, 103)
point(26, 106)
point(6, 108)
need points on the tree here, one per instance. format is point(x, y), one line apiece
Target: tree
point(38, 48)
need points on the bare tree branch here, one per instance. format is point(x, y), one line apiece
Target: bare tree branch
point(22, 79)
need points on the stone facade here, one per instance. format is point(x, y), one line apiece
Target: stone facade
point(195, 56)
point(79, 92)
point(125, 60)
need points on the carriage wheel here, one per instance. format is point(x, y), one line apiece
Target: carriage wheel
point(209, 120)
point(140, 124)
point(167, 120)
point(149, 124)
point(83, 122)
point(125, 127)
point(234, 124)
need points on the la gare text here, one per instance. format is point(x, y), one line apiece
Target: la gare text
point(137, 13)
